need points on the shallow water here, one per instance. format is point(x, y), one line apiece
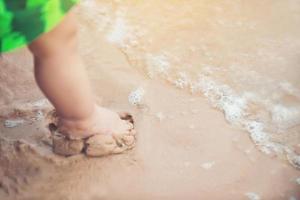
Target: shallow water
point(203, 78)
point(242, 55)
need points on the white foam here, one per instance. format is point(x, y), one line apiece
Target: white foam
point(292, 198)
point(182, 81)
point(284, 116)
point(136, 96)
point(32, 106)
point(293, 159)
point(157, 65)
point(298, 181)
point(98, 15)
point(289, 89)
point(256, 132)
point(12, 123)
point(235, 109)
point(119, 31)
point(42, 103)
point(255, 103)
point(252, 196)
point(208, 165)
point(222, 97)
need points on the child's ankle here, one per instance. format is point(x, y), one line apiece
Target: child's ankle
point(76, 126)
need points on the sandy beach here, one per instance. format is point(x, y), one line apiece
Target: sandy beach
point(213, 87)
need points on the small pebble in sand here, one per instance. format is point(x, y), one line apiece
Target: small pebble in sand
point(12, 123)
point(252, 196)
point(298, 181)
point(160, 116)
point(136, 96)
point(208, 165)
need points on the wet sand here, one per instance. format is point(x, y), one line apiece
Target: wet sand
point(186, 149)
point(187, 153)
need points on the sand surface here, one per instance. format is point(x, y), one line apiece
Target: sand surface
point(186, 149)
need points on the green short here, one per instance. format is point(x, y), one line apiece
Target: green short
point(22, 21)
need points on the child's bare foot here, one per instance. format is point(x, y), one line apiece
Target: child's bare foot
point(106, 132)
point(102, 121)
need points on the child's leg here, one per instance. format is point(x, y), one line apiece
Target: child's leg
point(60, 73)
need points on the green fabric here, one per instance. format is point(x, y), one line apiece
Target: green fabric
point(22, 21)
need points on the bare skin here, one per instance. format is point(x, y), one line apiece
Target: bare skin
point(60, 73)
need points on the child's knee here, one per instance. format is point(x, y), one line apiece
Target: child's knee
point(62, 39)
